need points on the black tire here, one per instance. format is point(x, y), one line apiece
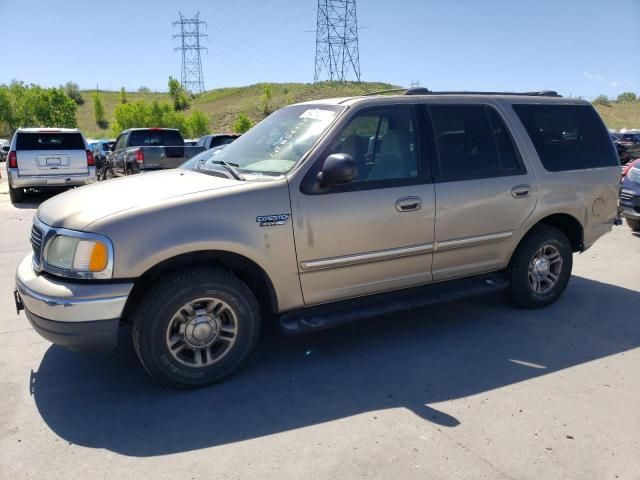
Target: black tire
point(16, 195)
point(157, 312)
point(633, 224)
point(521, 280)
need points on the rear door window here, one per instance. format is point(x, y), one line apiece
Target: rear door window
point(49, 141)
point(472, 142)
point(567, 137)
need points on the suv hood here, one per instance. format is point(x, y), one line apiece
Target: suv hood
point(77, 208)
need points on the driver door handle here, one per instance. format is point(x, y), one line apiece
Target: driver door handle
point(409, 204)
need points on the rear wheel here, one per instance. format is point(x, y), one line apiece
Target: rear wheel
point(633, 224)
point(195, 327)
point(540, 268)
point(16, 195)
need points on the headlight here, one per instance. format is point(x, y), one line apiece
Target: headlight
point(79, 255)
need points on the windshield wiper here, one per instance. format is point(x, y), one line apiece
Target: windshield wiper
point(230, 168)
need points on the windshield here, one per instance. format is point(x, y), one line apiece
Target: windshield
point(278, 142)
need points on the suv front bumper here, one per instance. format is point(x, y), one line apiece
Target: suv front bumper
point(58, 180)
point(74, 314)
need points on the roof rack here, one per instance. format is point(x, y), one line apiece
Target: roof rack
point(426, 91)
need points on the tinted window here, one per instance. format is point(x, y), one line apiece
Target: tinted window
point(472, 142)
point(155, 138)
point(567, 137)
point(383, 141)
point(49, 141)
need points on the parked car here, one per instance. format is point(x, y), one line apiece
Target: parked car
point(101, 149)
point(4, 151)
point(627, 146)
point(630, 196)
point(190, 142)
point(48, 158)
point(215, 140)
point(200, 161)
point(144, 149)
point(323, 213)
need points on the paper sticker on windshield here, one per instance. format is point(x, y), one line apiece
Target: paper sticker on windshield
point(318, 114)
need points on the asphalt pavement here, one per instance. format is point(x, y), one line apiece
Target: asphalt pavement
point(473, 389)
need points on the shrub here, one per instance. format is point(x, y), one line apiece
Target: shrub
point(265, 100)
point(99, 113)
point(123, 95)
point(73, 90)
point(144, 89)
point(242, 124)
point(198, 124)
point(178, 94)
point(627, 97)
point(602, 100)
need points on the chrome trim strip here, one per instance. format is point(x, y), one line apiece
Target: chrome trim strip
point(368, 257)
point(468, 241)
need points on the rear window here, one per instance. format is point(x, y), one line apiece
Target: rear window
point(155, 138)
point(568, 137)
point(49, 141)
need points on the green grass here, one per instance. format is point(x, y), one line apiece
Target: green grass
point(223, 105)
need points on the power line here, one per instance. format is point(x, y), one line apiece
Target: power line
point(191, 73)
point(337, 51)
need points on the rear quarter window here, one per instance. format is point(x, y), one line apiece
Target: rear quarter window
point(568, 137)
point(49, 141)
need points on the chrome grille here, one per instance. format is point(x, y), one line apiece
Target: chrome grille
point(36, 243)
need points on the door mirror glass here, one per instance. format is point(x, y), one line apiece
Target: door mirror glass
point(338, 169)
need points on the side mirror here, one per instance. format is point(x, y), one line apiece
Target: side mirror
point(338, 169)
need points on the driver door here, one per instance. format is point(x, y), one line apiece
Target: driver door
point(374, 234)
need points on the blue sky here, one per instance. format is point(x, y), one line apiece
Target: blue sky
point(578, 47)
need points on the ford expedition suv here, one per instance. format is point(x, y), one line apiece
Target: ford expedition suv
point(323, 213)
point(48, 158)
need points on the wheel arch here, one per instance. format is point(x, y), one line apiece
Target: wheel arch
point(247, 270)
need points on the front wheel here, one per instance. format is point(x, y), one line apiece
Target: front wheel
point(633, 224)
point(540, 268)
point(195, 327)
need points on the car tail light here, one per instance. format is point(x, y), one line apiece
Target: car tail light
point(139, 156)
point(91, 162)
point(13, 159)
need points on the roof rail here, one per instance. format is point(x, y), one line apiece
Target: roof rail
point(424, 91)
point(380, 92)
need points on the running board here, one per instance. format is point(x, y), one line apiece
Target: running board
point(330, 315)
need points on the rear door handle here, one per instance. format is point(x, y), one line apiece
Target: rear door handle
point(409, 204)
point(520, 191)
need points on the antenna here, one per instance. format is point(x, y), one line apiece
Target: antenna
point(337, 51)
point(191, 74)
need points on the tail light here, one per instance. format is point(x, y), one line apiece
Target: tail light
point(139, 156)
point(13, 159)
point(91, 162)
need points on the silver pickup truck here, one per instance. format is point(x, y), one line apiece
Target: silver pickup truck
point(324, 213)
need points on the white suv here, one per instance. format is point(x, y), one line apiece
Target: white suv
point(48, 158)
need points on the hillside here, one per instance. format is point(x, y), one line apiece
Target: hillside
point(223, 105)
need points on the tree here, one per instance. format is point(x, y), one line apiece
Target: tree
point(178, 94)
point(148, 114)
point(627, 97)
point(242, 124)
point(99, 113)
point(265, 100)
point(198, 124)
point(33, 106)
point(73, 90)
point(123, 95)
point(144, 89)
point(602, 100)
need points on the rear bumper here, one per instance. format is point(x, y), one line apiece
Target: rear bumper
point(55, 181)
point(628, 212)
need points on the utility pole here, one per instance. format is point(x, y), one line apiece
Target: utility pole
point(191, 74)
point(337, 53)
